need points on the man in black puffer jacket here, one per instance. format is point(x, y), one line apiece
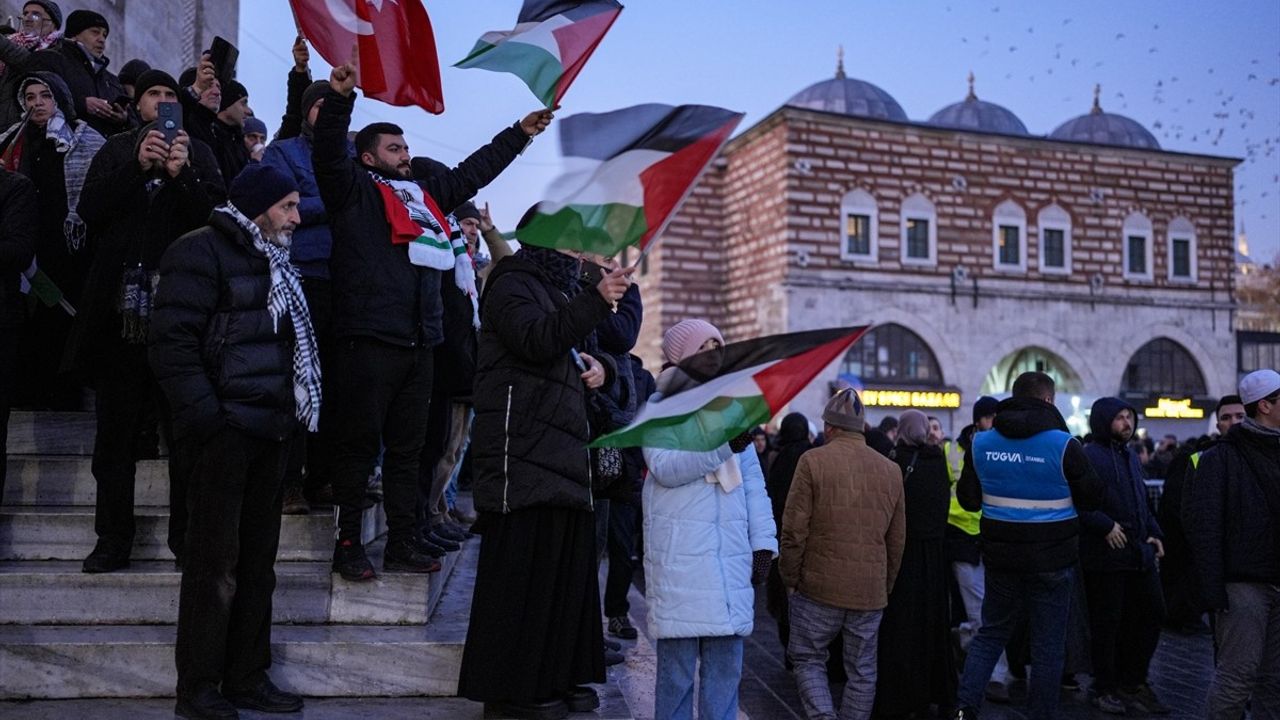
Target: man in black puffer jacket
point(233, 349)
point(18, 222)
point(390, 244)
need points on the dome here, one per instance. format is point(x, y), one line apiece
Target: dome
point(975, 114)
point(849, 97)
point(1103, 128)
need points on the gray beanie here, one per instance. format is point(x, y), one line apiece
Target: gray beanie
point(845, 411)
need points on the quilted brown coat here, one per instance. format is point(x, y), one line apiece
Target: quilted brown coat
point(844, 526)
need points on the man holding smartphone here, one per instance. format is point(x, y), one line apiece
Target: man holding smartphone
point(81, 61)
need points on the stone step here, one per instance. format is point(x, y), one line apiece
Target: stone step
point(51, 433)
point(114, 661)
point(42, 532)
point(68, 480)
point(56, 592)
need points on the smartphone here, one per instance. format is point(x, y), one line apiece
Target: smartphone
point(169, 120)
point(224, 55)
point(592, 273)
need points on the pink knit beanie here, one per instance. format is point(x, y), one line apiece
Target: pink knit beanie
point(686, 337)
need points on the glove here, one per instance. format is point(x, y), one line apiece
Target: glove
point(760, 562)
point(740, 443)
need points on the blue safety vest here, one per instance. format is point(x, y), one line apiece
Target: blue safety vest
point(1022, 479)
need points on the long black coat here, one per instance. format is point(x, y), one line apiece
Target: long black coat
point(18, 220)
point(529, 443)
point(132, 219)
point(377, 292)
point(213, 346)
point(68, 59)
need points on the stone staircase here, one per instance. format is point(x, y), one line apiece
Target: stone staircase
point(66, 634)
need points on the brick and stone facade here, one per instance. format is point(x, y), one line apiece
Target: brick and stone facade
point(757, 249)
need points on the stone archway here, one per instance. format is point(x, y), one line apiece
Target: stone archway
point(999, 379)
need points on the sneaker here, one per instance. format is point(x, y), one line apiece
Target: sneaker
point(449, 532)
point(443, 541)
point(997, 692)
point(405, 556)
point(294, 502)
point(620, 626)
point(107, 556)
point(612, 658)
point(351, 563)
point(265, 697)
point(1108, 703)
point(1143, 699)
point(1069, 682)
point(966, 713)
point(429, 547)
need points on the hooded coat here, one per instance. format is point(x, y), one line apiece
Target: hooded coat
point(1124, 498)
point(792, 442)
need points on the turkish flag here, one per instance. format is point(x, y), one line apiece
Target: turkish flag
point(398, 61)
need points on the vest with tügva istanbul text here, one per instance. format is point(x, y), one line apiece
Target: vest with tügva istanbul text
point(1022, 479)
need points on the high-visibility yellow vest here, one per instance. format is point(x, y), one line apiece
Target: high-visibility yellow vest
point(968, 521)
point(1195, 460)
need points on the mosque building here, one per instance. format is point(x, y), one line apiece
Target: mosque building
point(977, 249)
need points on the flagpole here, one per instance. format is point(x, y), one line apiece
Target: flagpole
point(688, 191)
point(297, 24)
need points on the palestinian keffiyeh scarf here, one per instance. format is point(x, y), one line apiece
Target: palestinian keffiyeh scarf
point(286, 296)
point(433, 238)
point(33, 42)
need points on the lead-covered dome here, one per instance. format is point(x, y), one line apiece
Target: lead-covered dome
point(1103, 128)
point(848, 96)
point(974, 114)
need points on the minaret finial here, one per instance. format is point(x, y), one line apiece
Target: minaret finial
point(1097, 94)
point(972, 95)
point(840, 62)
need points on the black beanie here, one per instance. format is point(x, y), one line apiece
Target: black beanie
point(986, 406)
point(466, 210)
point(132, 70)
point(314, 92)
point(50, 7)
point(187, 78)
point(152, 78)
point(258, 187)
point(232, 92)
point(81, 20)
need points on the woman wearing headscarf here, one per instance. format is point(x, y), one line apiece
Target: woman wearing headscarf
point(52, 148)
point(709, 537)
point(792, 442)
point(535, 636)
point(915, 664)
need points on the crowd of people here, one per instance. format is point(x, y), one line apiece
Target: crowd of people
point(319, 318)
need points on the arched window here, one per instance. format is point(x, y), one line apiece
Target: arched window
point(1182, 251)
point(1054, 224)
point(1137, 247)
point(1163, 367)
point(1009, 237)
point(859, 226)
point(1031, 359)
point(919, 231)
point(892, 354)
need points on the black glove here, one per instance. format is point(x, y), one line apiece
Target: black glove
point(740, 443)
point(760, 562)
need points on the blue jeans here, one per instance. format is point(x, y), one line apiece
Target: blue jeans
point(720, 672)
point(1047, 598)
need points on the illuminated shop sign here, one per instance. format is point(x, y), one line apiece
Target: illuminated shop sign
point(911, 399)
point(1174, 409)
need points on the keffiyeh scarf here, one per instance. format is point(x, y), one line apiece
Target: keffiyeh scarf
point(33, 42)
point(286, 296)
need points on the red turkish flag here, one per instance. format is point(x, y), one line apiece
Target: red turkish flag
point(398, 60)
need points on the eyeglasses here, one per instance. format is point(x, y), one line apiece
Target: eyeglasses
point(35, 20)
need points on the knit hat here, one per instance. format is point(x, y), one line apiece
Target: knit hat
point(232, 92)
point(81, 20)
point(150, 79)
point(913, 428)
point(254, 125)
point(686, 338)
point(985, 407)
point(845, 411)
point(188, 77)
point(1259, 384)
point(50, 7)
point(258, 187)
point(132, 70)
point(466, 210)
point(314, 92)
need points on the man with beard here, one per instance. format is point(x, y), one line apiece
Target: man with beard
point(233, 349)
point(390, 243)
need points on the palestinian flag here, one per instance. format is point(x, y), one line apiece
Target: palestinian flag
point(732, 390)
point(549, 46)
point(627, 172)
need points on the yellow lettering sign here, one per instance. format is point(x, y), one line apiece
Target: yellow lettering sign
point(1174, 409)
point(910, 399)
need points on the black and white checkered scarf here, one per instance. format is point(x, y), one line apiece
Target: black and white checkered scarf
point(286, 296)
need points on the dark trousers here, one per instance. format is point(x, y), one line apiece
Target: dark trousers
point(309, 457)
point(8, 371)
point(125, 392)
point(224, 609)
point(621, 544)
point(1126, 610)
point(435, 442)
point(382, 393)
